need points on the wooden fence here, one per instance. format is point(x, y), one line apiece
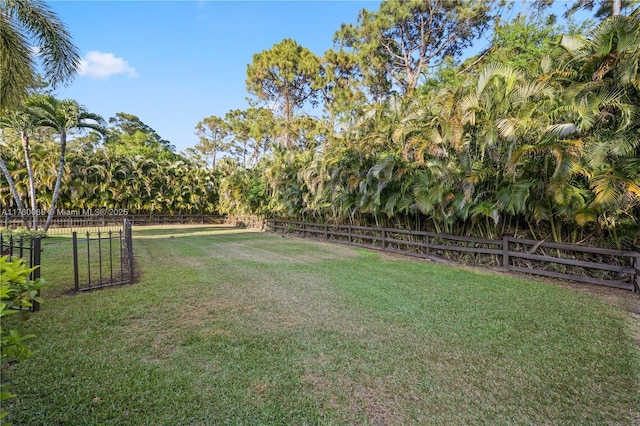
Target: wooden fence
point(613, 268)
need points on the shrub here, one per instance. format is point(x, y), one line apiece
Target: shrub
point(17, 294)
point(23, 233)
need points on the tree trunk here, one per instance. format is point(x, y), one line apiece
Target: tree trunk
point(56, 189)
point(32, 185)
point(288, 116)
point(14, 192)
point(616, 7)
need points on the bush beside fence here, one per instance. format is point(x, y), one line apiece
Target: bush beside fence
point(29, 249)
point(613, 268)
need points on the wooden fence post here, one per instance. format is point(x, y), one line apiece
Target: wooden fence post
point(384, 239)
point(505, 252)
point(636, 267)
point(349, 228)
point(427, 245)
point(326, 231)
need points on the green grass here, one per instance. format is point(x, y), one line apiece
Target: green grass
point(234, 327)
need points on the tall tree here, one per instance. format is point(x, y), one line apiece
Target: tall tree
point(14, 191)
point(253, 130)
point(19, 21)
point(129, 135)
point(397, 46)
point(602, 8)
point(213, 133)
point(342, 95)
point(124, 124)
point(523, 41)
point(24, 123)
point(285, 78)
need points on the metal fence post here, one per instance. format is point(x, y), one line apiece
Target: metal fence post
point(129, 239)
point(89, 258)
point(36, 245)
point(75, 261)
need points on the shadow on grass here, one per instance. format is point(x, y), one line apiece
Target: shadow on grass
point(179, 231)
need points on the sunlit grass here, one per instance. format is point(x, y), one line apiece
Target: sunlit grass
point(228, 326)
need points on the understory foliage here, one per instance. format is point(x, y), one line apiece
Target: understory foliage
point(17, 292)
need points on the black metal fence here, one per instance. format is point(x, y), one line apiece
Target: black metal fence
point(613, 268)
point(30, 250)
point(103, 259)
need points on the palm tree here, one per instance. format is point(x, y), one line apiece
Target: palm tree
point(603, 97)
point(14, 191)
point(21, 21)
point(24, 123)
point(63, 116)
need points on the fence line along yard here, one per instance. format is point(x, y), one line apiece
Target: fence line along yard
point(613, 268)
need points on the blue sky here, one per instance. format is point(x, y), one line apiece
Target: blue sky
point(173, 63)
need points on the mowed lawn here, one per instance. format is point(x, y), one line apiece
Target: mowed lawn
point(234, 327)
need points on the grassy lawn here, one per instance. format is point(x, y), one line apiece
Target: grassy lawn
point(235, 327)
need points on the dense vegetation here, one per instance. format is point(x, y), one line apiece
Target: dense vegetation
point(537, 135)
point(130, 167)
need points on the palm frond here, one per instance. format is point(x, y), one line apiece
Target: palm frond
point(16, 64)
point(60, 58)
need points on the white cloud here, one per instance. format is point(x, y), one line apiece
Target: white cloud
point(102, 65)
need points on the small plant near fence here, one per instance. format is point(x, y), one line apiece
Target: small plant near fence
point(17, 246)
point(22, 233)
point(103, 259)
point(18, 293)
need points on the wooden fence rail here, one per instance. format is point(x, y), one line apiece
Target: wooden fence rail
point(613, 268)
